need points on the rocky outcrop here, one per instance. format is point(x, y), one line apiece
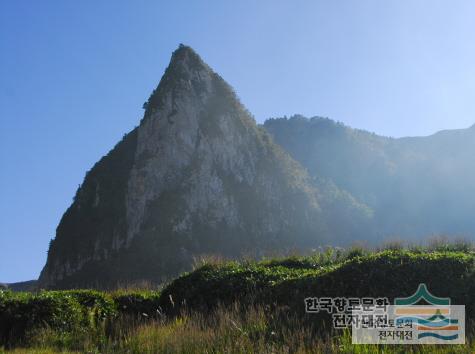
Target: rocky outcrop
point(198, 176)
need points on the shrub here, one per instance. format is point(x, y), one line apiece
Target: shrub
point(273, 284)
point(139, 303)
point(96, 306)
point(20, 314)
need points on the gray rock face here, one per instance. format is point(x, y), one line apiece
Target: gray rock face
point(200, 138)
point(196, 177)
point(174, 136)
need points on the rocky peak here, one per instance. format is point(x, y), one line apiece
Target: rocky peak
point(194, 116)
point(186, 73)
point(200, 178)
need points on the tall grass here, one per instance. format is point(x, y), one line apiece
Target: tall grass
point(231, 329)
point(266, 318)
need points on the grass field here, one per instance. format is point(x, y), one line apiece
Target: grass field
point(238, 307)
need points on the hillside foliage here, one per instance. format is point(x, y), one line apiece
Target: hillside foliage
point(272, 290)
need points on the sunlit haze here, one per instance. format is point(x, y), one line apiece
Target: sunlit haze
point(75, 74)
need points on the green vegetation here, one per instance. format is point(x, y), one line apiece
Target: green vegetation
point(224, 330)
point(413, 186)
point(238, 307)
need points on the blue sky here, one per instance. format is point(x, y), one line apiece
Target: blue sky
point(74, 76)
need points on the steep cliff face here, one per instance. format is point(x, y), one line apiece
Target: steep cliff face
point(196, 177)
point(94, 226)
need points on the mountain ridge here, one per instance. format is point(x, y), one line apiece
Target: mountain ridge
point(417, 186)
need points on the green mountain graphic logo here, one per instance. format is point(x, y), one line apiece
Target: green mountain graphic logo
point(422, 294)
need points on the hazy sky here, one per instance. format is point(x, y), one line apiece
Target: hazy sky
point(74, 76)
